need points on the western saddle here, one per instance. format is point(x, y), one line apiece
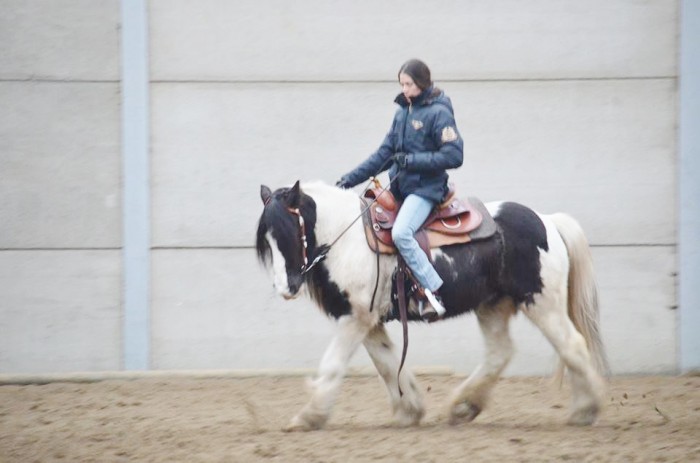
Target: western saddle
point(454, 221)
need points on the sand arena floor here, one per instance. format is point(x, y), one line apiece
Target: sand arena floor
point(240, 420)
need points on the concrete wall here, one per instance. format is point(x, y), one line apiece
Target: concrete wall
point(564, 106)
point(60, 238)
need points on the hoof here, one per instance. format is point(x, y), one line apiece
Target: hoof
point(405, 419)
point(583, 417)
point(299, 424)
point(464, 413)
point(292, 427)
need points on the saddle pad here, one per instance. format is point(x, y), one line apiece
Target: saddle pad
point(488, 226)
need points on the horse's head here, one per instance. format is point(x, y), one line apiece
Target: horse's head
point(285, 238)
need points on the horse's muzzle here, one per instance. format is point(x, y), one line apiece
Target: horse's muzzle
point(291, 289)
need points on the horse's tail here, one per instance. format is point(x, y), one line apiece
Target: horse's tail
point(583, 293)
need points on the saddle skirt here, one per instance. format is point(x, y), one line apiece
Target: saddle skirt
point(454, 221)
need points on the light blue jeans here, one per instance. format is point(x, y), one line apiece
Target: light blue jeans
point(412, 214)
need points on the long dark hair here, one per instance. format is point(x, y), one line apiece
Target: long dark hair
point(419, 72)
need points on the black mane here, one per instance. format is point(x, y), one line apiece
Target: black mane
point(284, 226)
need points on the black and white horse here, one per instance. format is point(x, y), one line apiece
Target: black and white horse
point(537, 264)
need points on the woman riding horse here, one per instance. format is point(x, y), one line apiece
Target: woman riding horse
point(423, 143)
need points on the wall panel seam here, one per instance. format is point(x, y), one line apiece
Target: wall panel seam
point(383, 81)
point(61, 81)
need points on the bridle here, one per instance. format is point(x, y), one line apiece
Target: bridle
point(305, 267)
point(323, 250)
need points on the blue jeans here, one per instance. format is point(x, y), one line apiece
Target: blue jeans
point(412, 214)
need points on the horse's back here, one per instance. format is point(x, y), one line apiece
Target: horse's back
point(509, 264)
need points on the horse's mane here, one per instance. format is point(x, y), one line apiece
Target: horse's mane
point(333, 201)
point(262, 247)
point(276, 217)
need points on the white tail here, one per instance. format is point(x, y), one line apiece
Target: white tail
point(583, 293)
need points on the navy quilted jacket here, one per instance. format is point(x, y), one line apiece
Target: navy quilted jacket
point(426, 131)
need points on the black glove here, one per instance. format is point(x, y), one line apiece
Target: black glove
point(343, 183)
point(400, 159)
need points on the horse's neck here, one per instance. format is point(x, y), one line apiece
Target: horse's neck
point(335, 211)
point(351, 262)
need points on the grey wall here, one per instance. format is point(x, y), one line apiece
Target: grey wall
point(564, 106)
point(60, 260)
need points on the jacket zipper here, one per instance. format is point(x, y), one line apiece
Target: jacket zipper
point(405, 126)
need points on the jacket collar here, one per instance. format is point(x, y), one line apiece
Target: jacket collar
point(427, 96)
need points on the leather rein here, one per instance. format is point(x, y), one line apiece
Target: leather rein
point(325, 249)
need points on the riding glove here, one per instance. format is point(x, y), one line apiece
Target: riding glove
point(343, 183)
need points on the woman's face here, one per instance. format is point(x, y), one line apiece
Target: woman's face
point(409, 88)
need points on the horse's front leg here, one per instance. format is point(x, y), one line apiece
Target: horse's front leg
point(407, 409)
point(470, 397)
point(324, 388)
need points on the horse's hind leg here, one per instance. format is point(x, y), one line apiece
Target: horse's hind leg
point(550, 316)
point(334, 364)
point(407, 409)
point(470, 397)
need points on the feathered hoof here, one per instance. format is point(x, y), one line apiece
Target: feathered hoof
point(304, 424)
point(408, 418)
point(463, 413)
point(584, 417)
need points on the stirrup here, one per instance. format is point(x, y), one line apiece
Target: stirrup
point(435, 302)
point(427, 313)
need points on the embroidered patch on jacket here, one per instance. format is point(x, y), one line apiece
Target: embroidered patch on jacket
point(448, 134)
point(417, 124)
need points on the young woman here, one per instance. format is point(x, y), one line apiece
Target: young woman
point(421, 145)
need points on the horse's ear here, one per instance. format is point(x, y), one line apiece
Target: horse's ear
point(294, 196)
point(265, 194)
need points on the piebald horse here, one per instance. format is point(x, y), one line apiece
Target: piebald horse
point(539, 265)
